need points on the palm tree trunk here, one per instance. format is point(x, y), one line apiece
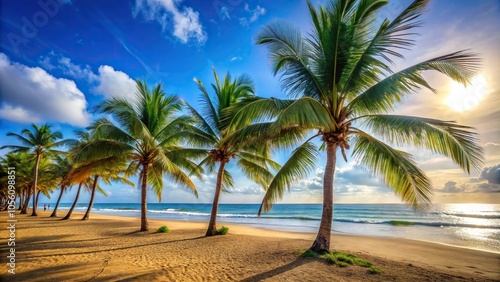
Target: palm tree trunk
point(212, 225)
point(144, 203)
point(54, 213)
point(38, 196)
point(20, 201)
point(35, 182)
point(26, 202)
point(322, 242)
point(92, 195)
point(74, 203)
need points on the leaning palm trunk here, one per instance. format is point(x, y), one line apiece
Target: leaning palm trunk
point(144, 203)
point(322, 242)
point(21, 198)
point(54, 213)
point(35, 181)
point(212, 225)
point(26, 202)
point(74, 203)
point(92, 195)
point(38, 196)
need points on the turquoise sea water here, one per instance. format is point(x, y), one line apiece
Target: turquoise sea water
point(466, 225)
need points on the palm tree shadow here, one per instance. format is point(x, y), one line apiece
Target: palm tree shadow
point(128, 247)
point(276, 271)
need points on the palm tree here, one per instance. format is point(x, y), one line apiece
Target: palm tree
point(61, 168)
point(23, 163)
point(47, 180)
point(42, 140)
point(341, 87)
point(147, 134)
point(211, 131)
point(89, 168)
point(84, 139)
point(68, 215)
point(107, 173)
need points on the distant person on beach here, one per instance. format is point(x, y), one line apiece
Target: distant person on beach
point(45, 207)
point(49, 207)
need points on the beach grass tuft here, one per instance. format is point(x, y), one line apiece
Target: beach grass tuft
point(375, 270)
point(223, 230)
point(309, 254)
point(340, 259)
point(163, 229)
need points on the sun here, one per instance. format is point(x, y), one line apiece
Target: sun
point(462, 98)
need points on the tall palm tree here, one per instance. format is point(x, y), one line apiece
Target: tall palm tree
point(211, 131)
point(23, 163)
point(106, 172)
point(89, 168)
point(342, 86)
point(42, 140)
point(75, 201)
point(147, 134)
point(83, 140)
point(61, 169)
point(47, 181)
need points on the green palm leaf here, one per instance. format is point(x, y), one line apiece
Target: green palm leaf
point(444, 137)
point(396, 168)
point(298, 166)
point(387, 93)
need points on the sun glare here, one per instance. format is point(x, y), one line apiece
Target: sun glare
point(463, 98)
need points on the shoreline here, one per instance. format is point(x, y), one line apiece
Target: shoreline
point(53, 249)
point(286, 233)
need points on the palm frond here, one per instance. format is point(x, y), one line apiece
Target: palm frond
point(260, 160)
point(299, 165)
point(254, 110)
point(227, 180)
point(289, 56)
point(445, 137)
point(387, 93)
point(306, 113)
point(396, 168)
point(257, 173)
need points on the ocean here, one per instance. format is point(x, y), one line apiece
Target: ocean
point(475, 226)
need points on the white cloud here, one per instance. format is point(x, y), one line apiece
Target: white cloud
point(248, 190)
point(76, 71)
point(115, 84)
point(67, 67)
point(111, 83)
point(224, 12)
point(254, 15)
point(17, 114)
point(186, 22)
point(30, 94)
point(46, 63)
point(235, 58)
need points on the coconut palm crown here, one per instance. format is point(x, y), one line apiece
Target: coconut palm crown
point(342, 86)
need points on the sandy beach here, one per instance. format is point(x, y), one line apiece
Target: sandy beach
point(108, 248)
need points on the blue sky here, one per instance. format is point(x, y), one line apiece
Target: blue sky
point(59, 58)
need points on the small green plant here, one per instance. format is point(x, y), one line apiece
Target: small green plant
point(341, 263)
point(163, 229)
point(375, 270)
point(340, 259)
point(223, 230)
point(309, 254)
point(361, 262)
